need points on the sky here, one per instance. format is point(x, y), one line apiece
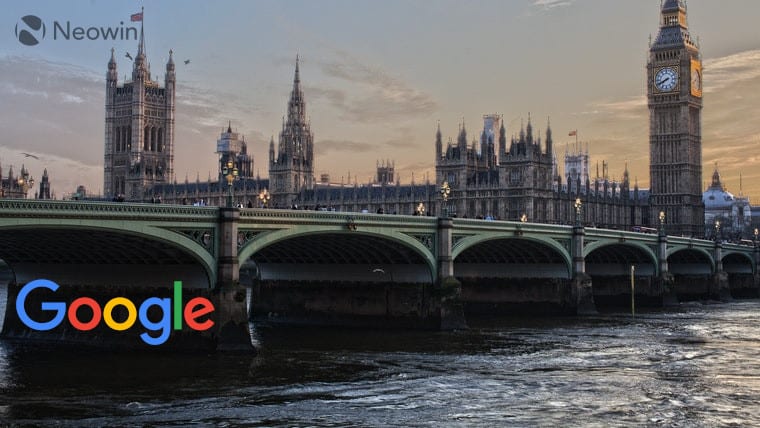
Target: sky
point(378, 77)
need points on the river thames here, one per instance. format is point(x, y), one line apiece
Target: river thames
point(694, 365)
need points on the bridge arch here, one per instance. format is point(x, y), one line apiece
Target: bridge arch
point(363, 255)
point(614, 258)
point(106, 252)
point(526, 256)
point(690, 261)
point(738, 262)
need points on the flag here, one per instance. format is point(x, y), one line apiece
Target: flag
point(573, 133)
point(135, 17)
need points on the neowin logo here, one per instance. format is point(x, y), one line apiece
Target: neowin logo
point(32, 30)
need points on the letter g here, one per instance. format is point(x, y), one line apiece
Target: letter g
point(59, 307)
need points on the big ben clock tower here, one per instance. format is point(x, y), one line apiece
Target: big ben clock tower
point(674, 89)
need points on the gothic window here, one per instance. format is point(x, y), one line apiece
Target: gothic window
point(160, 139)
point(514, 177)
point(146, 136)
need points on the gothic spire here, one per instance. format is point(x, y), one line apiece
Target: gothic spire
point(529, 131)
point(141, 46)
point(674, 27)
point(140, 60)
point(296, 106)
point(112, 74)
point(548, 136)
point(502, 138)
point(438, 142)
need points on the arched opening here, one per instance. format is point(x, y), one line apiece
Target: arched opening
point(339, 278)
point(94, 258)
point(513, 275)
point(692, 271)
point(740, 270)
point(97, 263)
point(610, 265)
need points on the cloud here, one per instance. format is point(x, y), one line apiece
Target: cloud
point(551, 4)
point(725, 71)
point(631, 107)
point(323, 147)
point(380, 96)
point(56, 111)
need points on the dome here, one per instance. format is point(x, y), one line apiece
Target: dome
point(717, 199)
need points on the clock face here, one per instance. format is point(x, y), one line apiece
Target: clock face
point(666, 79)
point(696, 80)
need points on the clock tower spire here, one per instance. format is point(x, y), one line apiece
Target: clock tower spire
point(674, 91)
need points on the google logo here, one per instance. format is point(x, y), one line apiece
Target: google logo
point(192, 313)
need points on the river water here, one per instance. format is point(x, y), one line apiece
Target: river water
point(695, 365)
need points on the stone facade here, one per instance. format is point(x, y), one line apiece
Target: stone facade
point(139, 129)
point(674, 89)
point(516, 178)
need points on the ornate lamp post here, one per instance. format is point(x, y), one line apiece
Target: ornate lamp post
point(230, 172)
point(717, 230)
point(524, 218)
point(445, 192)
point(578, 205)
point(421, 209)
point(264, 197)
point(755, 237)
point(25, 182)
point(662, 223)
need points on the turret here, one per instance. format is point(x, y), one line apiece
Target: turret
point(111, 75)
point(462, 138)
point(502, 139)
point(529, 132)
point(141, 69)
point(271, 151)
point(170, 75)
point(549, 141)
point(438, 143)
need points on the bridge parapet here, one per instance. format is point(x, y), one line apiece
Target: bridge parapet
point(89, 209)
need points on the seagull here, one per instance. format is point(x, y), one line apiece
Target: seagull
point(30, 155)
point(187, 61)
point(128, 55)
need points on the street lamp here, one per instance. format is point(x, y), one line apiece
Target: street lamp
point(264, 197)
point(662, 223)
point(578, 205)
point(717, 230)
point(524, 218)
point(25, 183)
point(445, 192)
point(421, 209)
point(755, 241)
point(230, 172)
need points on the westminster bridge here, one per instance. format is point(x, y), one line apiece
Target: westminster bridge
point(334, 267)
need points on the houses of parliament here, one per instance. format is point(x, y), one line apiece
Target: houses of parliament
point(492, 175)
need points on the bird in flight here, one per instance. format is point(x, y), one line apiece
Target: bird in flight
point(187, 61)
point(30, 155)
point(128, 55)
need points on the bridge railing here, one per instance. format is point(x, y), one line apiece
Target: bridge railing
point(301, 216)
point(37, 207)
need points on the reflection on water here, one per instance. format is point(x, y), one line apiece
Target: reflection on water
point(695, 366)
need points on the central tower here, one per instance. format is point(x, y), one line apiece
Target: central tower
point(292, 170)
point(139, 135)
point(674, 90)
